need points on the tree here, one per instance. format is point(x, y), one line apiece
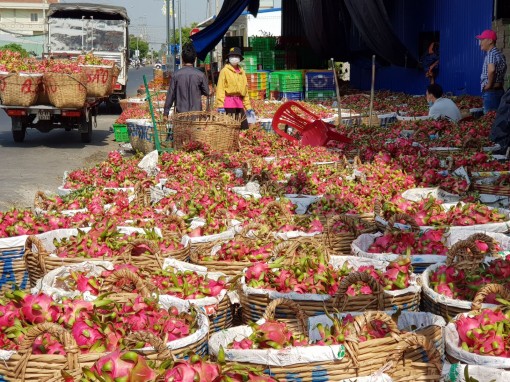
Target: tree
point(185, 34)
point(15, 48)
point(143, 46)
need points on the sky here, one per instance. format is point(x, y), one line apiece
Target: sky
point(148, 19)
point(147, 16)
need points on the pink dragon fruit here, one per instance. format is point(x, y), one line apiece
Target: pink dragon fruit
point(39, 308)
point(117, 367)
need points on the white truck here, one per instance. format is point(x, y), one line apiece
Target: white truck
point(75, 29)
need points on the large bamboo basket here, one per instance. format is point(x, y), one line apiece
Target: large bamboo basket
point(464, 255)
point(12, 265)
point(340, 243)
point(255, 304)
point(404, 356)
point(66, 90)
point(20, 89)
point(455, 353)
point(218, 131)
point(23, 366)
point(231, 268)
point(98, 79)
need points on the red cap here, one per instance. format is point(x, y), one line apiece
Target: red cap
point(491, 35)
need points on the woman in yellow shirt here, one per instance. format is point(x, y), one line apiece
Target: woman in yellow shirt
point(232, 95)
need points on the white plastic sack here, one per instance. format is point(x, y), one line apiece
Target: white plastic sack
point(149, 163)
point(417, 194)
point(12, 242)
point(250, 190)
point(453, 349)
point(271, 357)
point(48, 284)
point(455, 373)
point(302, 201)
point(226, 235)
point(361, 245)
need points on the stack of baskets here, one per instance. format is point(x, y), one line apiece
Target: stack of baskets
point(257, 85)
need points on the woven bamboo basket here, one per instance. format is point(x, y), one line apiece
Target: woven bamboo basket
point(12, 265)
point(39, 262)
point(154, 259)
point(254, 304)
point(115, 76)
point(340, 243)
point(98, 80)
point(142, 195)
point(66, 90)
point(231, 268)
point(23, 366)
point(467, 357)
point(405, 356)
point(463, 255)
point(218, 131)
point(20, 89)
point(42, 95)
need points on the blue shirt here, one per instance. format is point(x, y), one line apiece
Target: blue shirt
point(493, 56)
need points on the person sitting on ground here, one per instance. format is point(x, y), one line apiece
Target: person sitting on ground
point(439, 106)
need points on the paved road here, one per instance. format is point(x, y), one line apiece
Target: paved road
point(40, 161)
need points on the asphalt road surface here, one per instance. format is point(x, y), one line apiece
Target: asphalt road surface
point(39, 162)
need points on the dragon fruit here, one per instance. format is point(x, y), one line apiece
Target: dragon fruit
point(270, 335)
point(117, 367)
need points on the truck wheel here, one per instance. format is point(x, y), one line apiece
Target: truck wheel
point(86, 137)
point(19, 129)
point(19, 135)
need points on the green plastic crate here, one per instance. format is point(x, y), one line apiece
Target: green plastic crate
point(121, 132)
point(262, 43)
point(320, 95)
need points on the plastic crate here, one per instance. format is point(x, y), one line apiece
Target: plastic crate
point(257, 94)
point(121, 132)
point(320, 95)
point(262, 43)
point(291, 96)
point(319, 81)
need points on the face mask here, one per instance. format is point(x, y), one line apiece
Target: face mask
point(234, 60)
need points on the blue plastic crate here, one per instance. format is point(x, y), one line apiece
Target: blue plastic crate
point(292, 96)
point(319, 81)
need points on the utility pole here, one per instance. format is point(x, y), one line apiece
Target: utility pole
point(173, 34)
point(180, 34)
point(167, 50)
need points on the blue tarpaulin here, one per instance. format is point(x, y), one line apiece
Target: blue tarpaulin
point(205, 40)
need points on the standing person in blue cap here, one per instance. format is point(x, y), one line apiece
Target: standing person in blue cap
point(232, 91)
point(493, 71)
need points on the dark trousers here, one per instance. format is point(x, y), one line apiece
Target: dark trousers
point(238, 113)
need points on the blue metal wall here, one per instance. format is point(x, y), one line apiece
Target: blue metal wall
point(458, 22)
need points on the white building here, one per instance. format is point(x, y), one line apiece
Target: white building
point(23, 17)
point(267, 23)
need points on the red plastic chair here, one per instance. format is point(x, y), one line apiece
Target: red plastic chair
point(313, 130)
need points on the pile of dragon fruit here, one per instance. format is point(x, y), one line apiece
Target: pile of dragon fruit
point(200, 188)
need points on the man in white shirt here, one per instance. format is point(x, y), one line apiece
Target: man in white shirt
point(439, 106)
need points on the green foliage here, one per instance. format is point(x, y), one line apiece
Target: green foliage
point(15, 48)
point(143, 46)
point(185, 34)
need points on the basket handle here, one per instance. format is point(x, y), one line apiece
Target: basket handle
point(278, 207)
point(39, 254)
point(55, 330)
point(260, 231)
point(485, 291)
point(363, 320)
point(143, 336)
point(39, 199)
point(410, 340)
point(128, 275)
point(174, 219)
point(127, 253)
point(409, 220)
point(349, 222)
point(301, 317)
point(292, 251)
point(141, 197)
point(341, 299)
point(483, 237)
point(459, 257)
